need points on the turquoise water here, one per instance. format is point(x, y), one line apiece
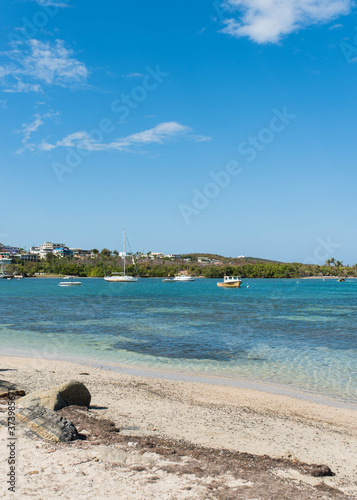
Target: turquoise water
point(302, 335)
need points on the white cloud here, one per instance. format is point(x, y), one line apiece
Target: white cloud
point(27, 129)
point(266, 21)
point(166, 131)
point(19, 86)
point(33, 63)
point(3, 104)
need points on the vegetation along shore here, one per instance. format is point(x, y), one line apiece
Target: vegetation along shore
point(207, 266)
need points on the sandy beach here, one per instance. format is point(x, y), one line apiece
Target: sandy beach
point(189, 420)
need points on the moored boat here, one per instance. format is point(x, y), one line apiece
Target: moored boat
point(119, 278)
point(122, 277)
point(230, 282)
point(69, 282)
point(183, 277)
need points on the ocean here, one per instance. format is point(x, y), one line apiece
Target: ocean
point(296, 335)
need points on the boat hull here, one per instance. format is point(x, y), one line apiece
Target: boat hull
point(120, 279)
point(236, 284)
point(71, 284)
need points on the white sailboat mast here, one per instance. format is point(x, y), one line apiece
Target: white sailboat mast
point(124, 248)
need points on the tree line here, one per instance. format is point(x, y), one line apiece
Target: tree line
point(101, 266)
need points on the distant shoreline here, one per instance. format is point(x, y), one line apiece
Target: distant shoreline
point(212, 267)
point(327, 277)
point(60, 276)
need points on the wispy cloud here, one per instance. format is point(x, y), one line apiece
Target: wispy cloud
point(51, 3)
point(164, 132)
point(133, 75)
point(27, 129)
point(201, 31)
point(266, 21)
point(33, 63)
point(18, 86)
point(336, 26)
point(3, 104)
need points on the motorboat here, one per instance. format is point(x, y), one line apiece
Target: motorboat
point(169, 280)
point(183, 277)
point(69, 282)
point(230, 282)
point(122, 277)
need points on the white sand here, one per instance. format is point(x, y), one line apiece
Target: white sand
point(210, 415)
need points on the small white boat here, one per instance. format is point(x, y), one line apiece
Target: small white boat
point(122, 277)
point(169, 280)
point(231, 282)
point(19, 276)
point(70, 282)
point(183, 277)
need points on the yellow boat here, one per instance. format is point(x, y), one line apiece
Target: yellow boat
point(342, 279)
point(231, 282)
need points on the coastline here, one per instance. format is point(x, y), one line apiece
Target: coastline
point(190, 377)
point(209, 415)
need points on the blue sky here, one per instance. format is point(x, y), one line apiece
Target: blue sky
point(225, 127)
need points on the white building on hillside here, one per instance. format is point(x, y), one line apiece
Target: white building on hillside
point(46, 248)
point(172, 256)
point(156, 255)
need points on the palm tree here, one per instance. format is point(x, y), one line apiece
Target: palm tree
point(328, 262)
point(332, 260)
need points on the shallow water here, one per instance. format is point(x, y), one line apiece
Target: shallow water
point(302, 335)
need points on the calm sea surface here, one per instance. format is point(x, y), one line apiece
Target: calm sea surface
point(298, 333)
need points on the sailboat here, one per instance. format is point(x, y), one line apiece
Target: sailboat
point(121, 277)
